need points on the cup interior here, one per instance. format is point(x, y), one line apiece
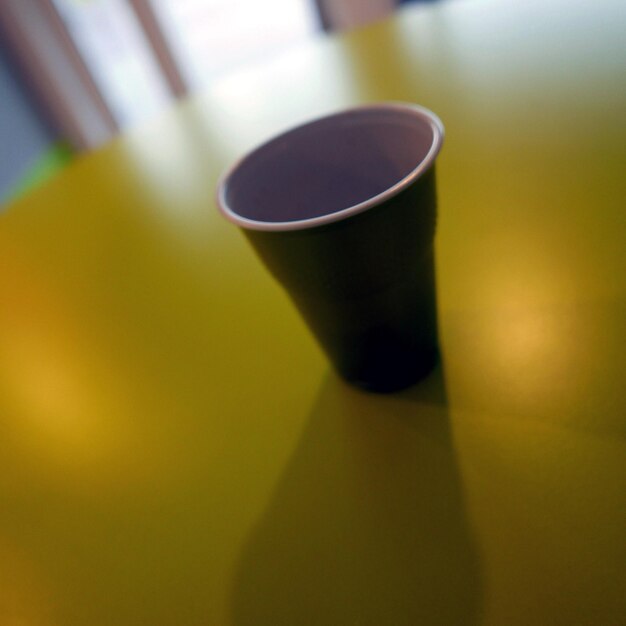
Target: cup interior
point(331, 165)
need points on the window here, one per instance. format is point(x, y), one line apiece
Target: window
point(116, 52)
point(211, 36)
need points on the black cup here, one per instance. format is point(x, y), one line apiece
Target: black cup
point(342, 211)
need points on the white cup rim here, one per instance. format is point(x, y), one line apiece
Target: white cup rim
point(423, 166)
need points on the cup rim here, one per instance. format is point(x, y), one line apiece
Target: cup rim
point(336, 216)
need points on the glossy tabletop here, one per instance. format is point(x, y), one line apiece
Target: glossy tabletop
point(174, 449)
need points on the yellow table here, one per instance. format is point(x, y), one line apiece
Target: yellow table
point(173, 447)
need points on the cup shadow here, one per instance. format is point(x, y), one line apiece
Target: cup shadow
point(367, 524)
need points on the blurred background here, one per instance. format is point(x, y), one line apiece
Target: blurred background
point(74, 73)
